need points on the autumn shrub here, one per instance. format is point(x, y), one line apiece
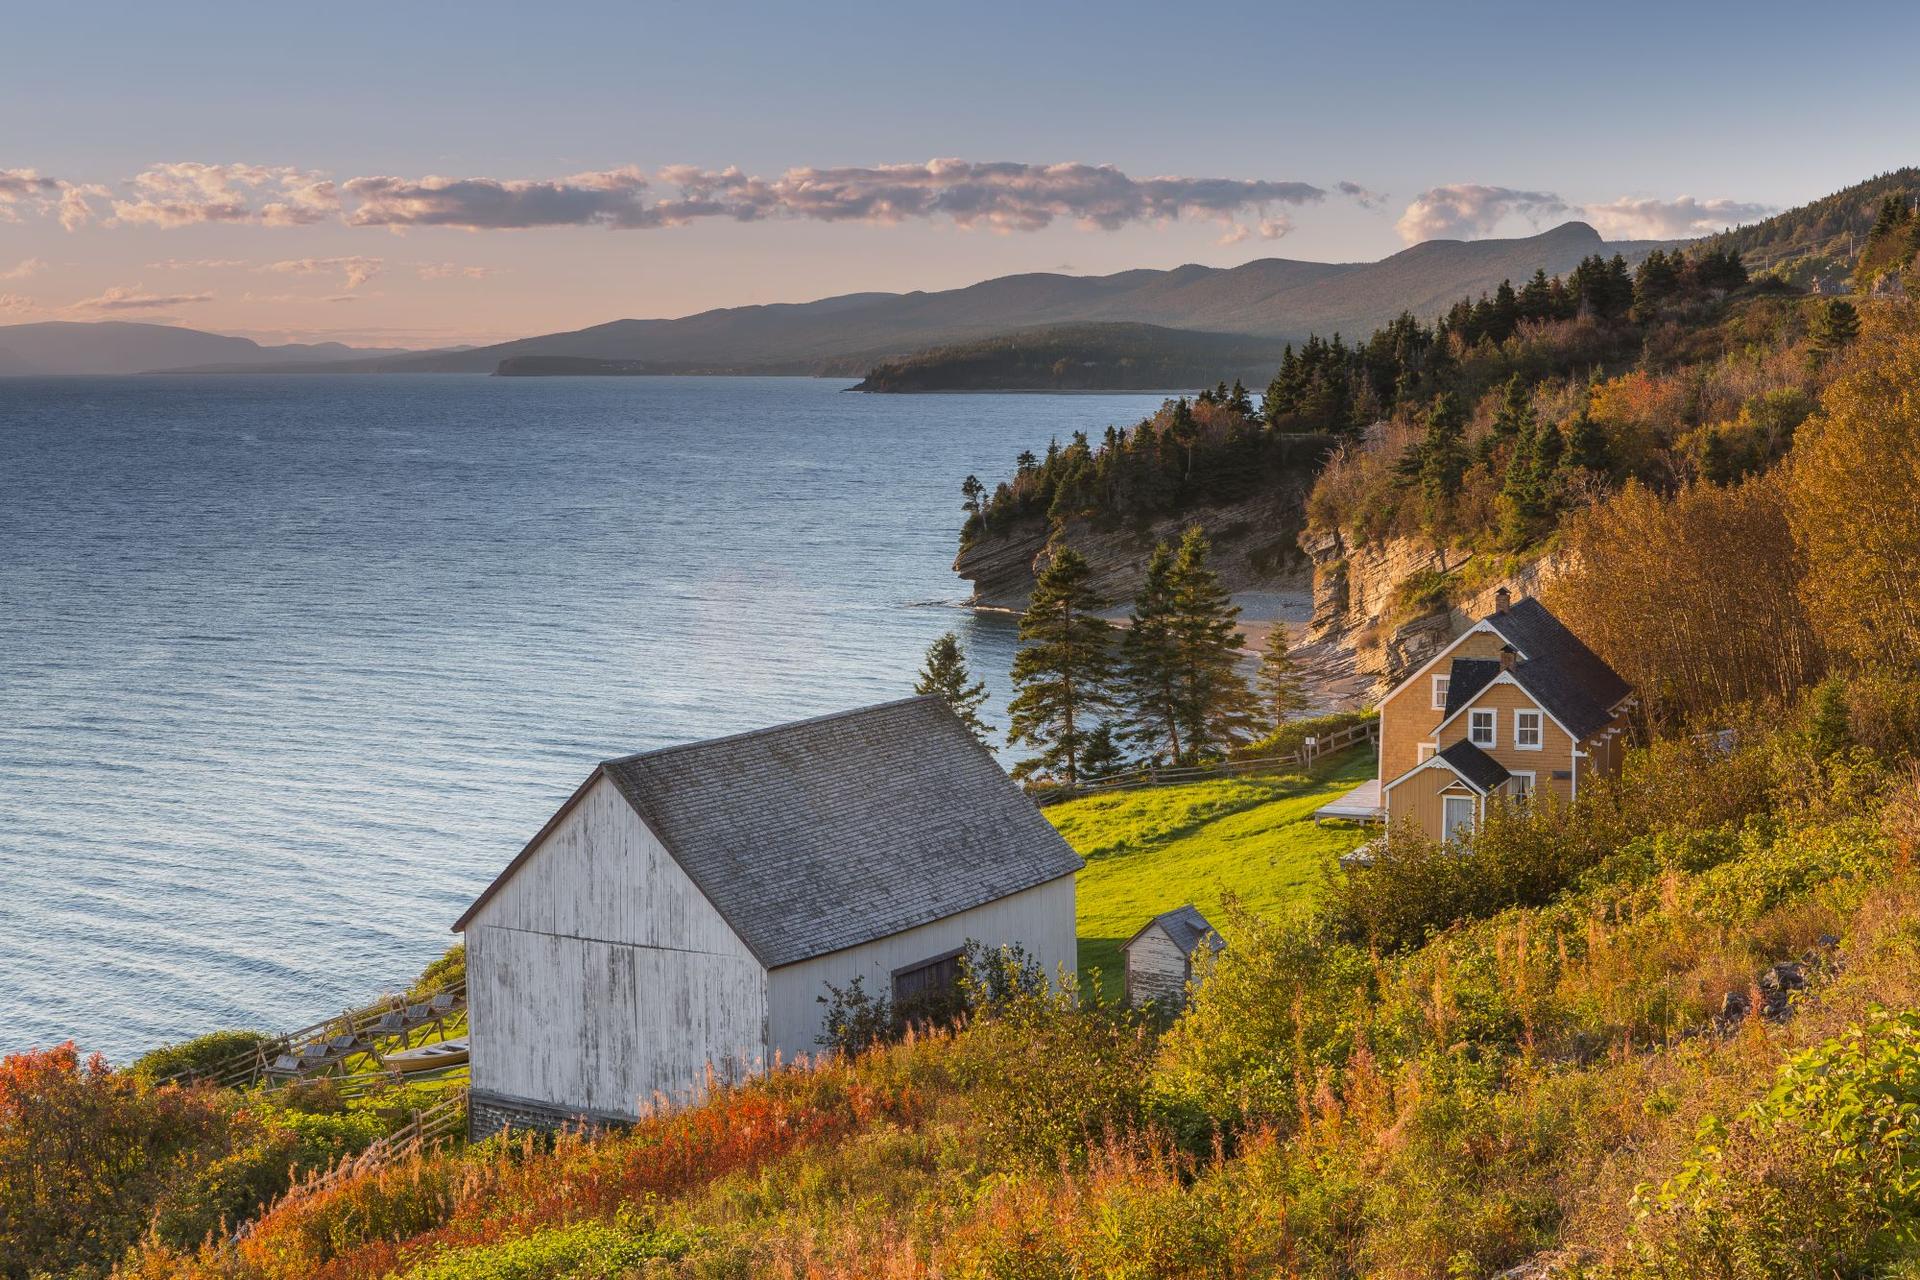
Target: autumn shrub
point(85, 1153)
point(1817, 1177)
point(582, 1251)
point(1048, 1074)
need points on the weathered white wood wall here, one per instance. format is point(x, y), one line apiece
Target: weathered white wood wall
point(1039, 919)
point(599, 974)
point(1156, 969)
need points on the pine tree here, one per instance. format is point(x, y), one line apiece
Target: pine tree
point(1216, 706)
point(1151, 657)
point(1283, 690)
point(946, 675)
point(1587, 444)
point(1101, 755)
point(1064, 671)
point(1834, 327)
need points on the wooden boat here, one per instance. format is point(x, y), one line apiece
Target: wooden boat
point(428, 1057)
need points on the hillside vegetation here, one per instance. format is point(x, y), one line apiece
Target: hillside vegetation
point(1664, 1033)
point(1085, 357)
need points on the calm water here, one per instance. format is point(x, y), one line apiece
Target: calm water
point(290, 667)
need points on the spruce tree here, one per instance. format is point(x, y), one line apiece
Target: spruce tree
point(1150, 653)
point(1283, 690)
point(1216, 707)
point(1064, 671)
point(1587, 444)
point(946, 675)
point(1834, 327)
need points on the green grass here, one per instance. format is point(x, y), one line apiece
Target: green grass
point(1152, 850)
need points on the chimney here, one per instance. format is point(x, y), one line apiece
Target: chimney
point(1501, 599)
point(1506, 657)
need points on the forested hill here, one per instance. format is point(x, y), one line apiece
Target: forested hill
point(1822, 238)
point(1083, 357)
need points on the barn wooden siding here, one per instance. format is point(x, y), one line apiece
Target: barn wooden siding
point(601, 974)
point(1156, 969)
point(1040, 919)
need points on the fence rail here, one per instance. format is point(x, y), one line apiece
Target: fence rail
point(1321, 747)
point(323, 1047)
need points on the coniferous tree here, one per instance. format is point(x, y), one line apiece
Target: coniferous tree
point(1283, 690)
point(1063, 673)
point(1587, 445)
point(946, 675)
point(1216, 706)
point(1150, 654)
point(1443, 466)
point(1834, 327)
point(1101, 755)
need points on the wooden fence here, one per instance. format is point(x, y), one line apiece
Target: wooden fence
point(1322, 746)
point(427, 1129)
point(324, 1047)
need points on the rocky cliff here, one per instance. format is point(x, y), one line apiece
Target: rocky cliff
point(1256, 547)
point(1378, 600)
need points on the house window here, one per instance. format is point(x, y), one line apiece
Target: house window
point(1440, 693)
point(930, 980)
point(1424, 752)
point(1456, 815)
point(1526, 730)
point(1483, 728)
point(1522, 785)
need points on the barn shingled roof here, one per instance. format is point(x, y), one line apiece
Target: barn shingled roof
point(831, 832)
point(1482, 772)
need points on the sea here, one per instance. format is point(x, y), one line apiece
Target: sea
point(290, 667)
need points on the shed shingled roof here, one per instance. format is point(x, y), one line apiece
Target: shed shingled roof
point(1569, 679)
point(1186, 926)
point(1482, 772)
point(832, 832)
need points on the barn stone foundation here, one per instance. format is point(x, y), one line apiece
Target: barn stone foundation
point(492, 1113)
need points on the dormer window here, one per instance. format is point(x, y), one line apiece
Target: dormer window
point(1440, 693)
point(1483, 728)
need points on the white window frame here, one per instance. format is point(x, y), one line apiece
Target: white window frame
point(1440, 692)
point(1539, 718)
point(1493, 727)
point(1449, 829)
point(1425, 752)
point(1517, 792)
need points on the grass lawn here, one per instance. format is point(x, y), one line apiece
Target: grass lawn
point(1152, 850)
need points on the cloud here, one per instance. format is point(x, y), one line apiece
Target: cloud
point(1360, 195)
point(448, 270)
point(16, 304)
point(131, 298)
point(355, 271)
point(999, 196)
point(1466, 210)
point(1634, 219)
point(31, 188)
point(189, 193)
point(1267, 229)
point(26, 267)
point(197, 264)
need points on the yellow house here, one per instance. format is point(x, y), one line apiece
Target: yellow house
point(1516, 704)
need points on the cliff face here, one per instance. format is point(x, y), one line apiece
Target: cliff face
point(1358, 606)
point(1255, 547)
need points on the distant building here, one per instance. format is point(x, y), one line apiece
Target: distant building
point(1516, 704)
point(685, 908)
point(1159, 958)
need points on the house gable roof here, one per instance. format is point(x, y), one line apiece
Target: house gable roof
point(1465, 679)
point(1476, 768)
point(824, 834)
point(1185, 926)
point(1569, 680)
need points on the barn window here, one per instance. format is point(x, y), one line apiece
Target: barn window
point(930, 980)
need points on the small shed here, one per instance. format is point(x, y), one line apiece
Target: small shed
point(1160, 956)
point(684, 911)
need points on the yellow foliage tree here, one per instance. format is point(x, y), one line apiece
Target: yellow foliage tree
point(1695, 598)
point(1854, 501)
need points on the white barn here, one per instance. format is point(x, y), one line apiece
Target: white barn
point(685, 908)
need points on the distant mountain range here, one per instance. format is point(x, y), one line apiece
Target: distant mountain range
point(1273, 298)
point(119, 346)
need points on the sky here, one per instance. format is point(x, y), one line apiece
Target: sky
point(423, 174)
